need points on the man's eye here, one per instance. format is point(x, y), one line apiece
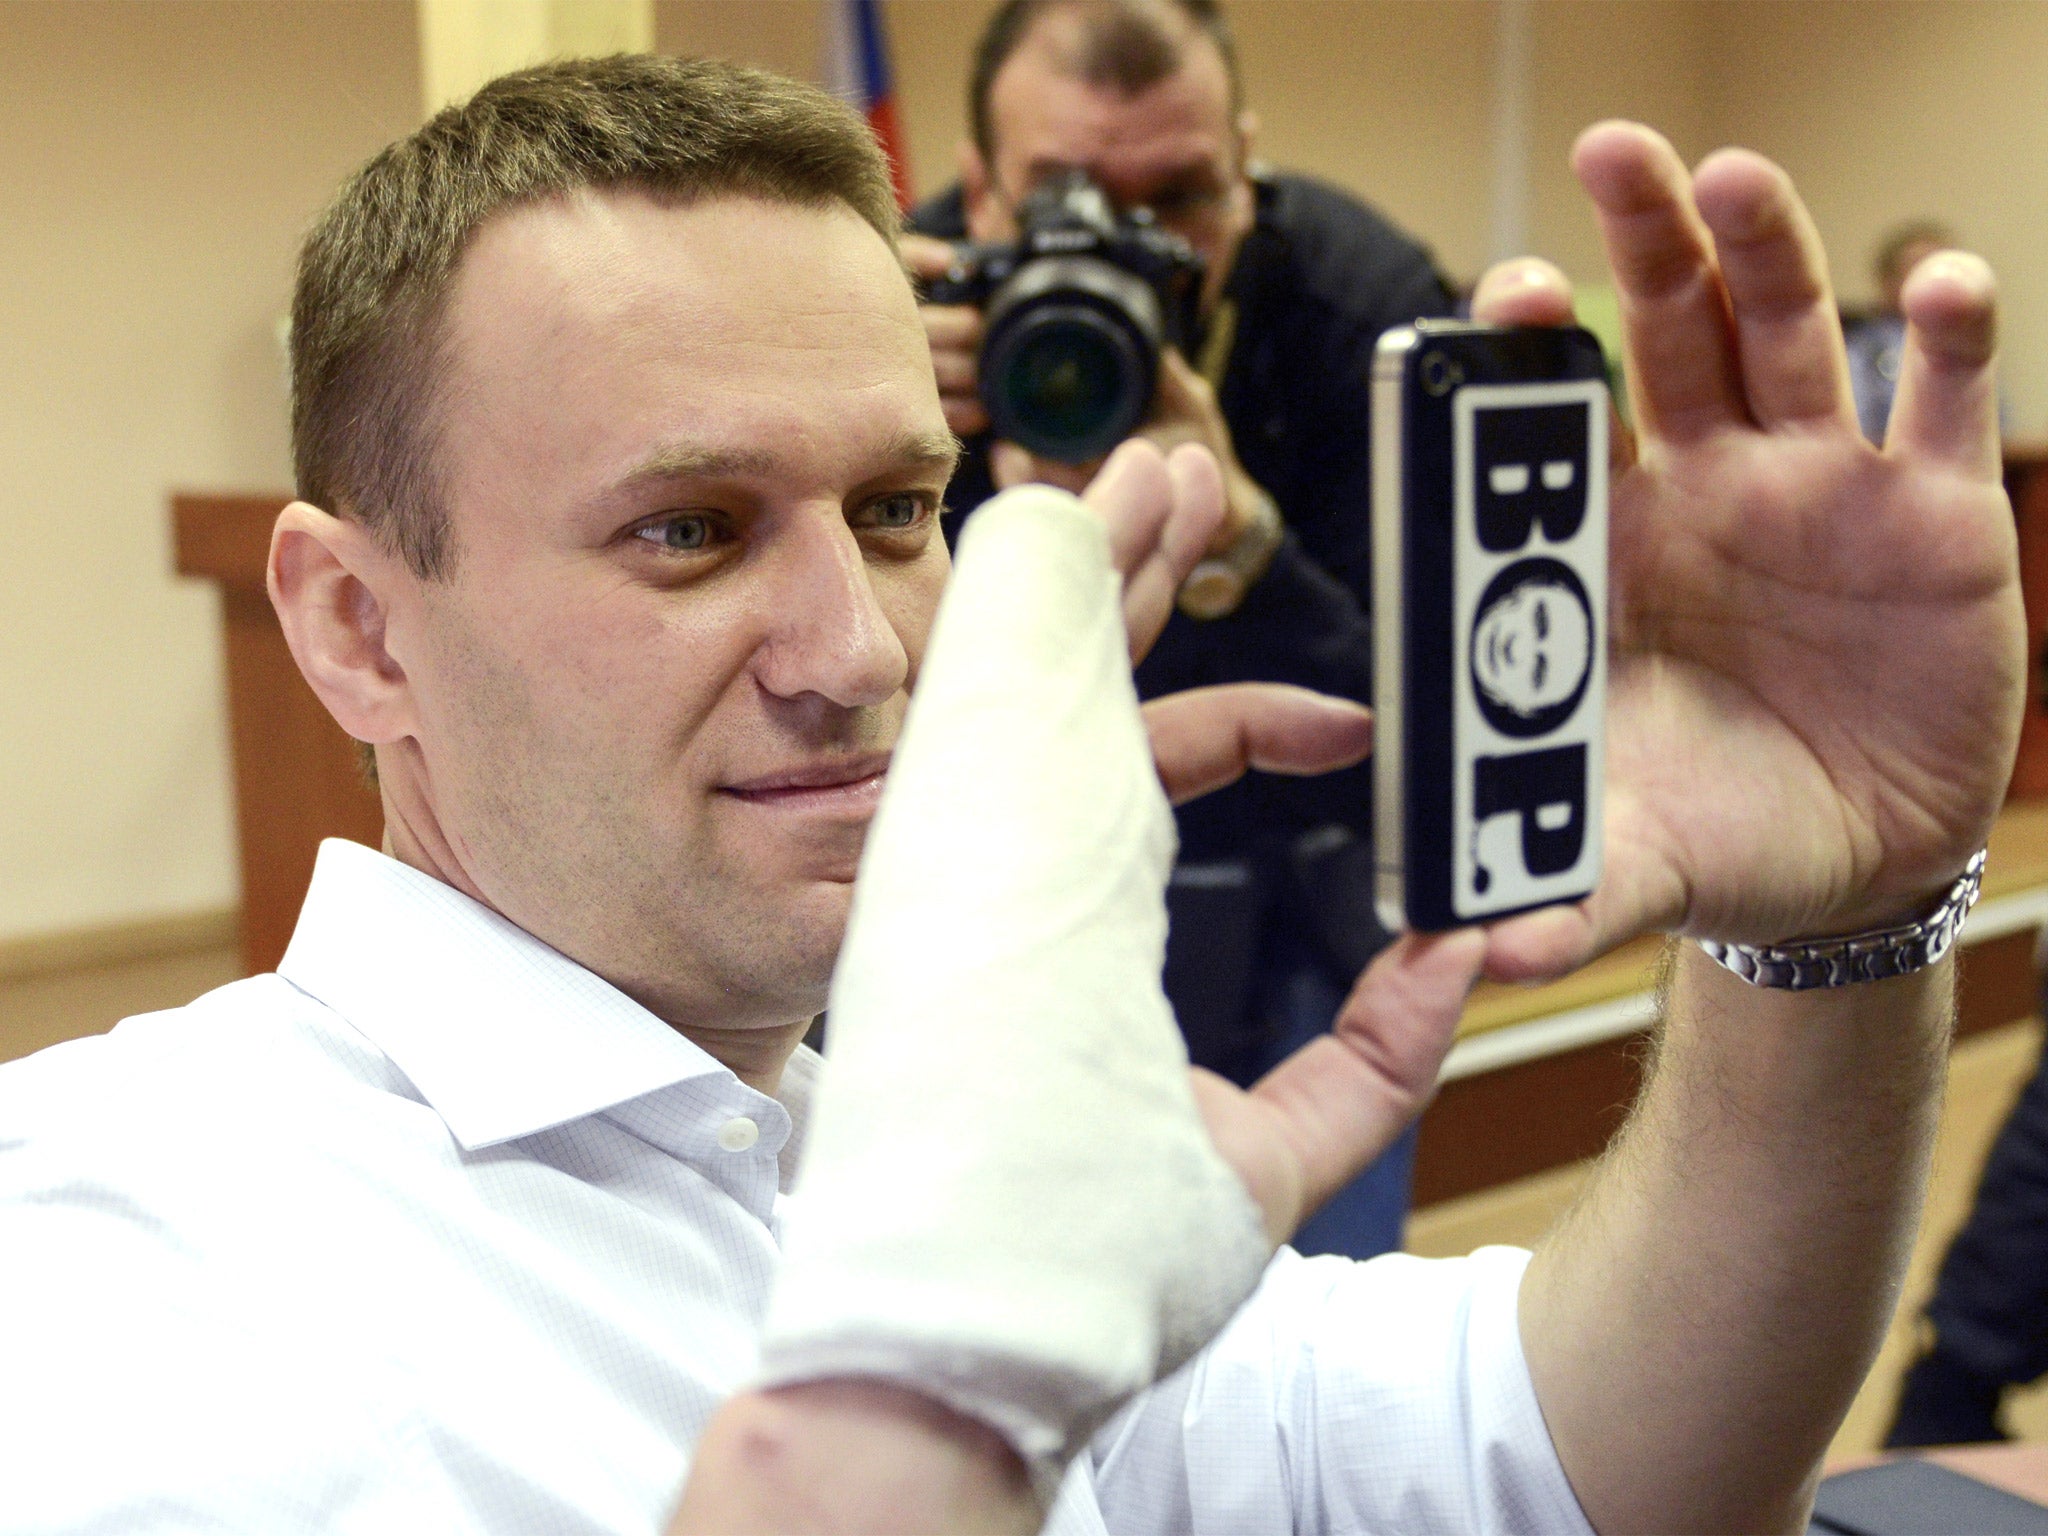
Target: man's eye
point(1179, 202)
point(896, 512)
point(678, 533)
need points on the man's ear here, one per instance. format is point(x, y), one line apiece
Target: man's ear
point(983, 217)
point(332, 584)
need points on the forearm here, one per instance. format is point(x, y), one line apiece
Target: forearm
point(1699, 1323)
point(851, 1456)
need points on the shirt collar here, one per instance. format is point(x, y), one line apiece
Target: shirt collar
point(796, 1091)
point(502, 1035)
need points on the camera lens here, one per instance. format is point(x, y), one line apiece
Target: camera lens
point(1072, 350)
point(1070, 384)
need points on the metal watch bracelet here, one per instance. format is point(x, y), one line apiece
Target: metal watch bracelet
point(1216, 587)
point(1804, 966)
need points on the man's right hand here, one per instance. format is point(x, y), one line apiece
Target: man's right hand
point(954, 331)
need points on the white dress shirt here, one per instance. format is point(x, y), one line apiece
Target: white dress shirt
point(436, 1231)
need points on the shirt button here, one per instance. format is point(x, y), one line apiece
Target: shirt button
point(738, 1134)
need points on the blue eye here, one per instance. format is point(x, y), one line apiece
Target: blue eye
point(896, 512)
point(678, 533)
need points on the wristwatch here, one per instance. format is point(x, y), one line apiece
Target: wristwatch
point(1218, 585)
point(1805, 965)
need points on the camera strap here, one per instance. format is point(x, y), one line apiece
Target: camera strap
point(1212, 359)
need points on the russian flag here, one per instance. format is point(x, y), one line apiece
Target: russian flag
point(857, 70)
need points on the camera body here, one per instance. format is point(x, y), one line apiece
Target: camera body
point(1078, 309)
point(1490, 632)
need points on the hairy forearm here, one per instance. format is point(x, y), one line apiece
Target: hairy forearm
point(1699, 1323)
point(850, 1456)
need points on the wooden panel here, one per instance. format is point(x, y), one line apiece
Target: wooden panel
point(101, 945)
point(1486, 1130)
point(2026, 480)
point(225, 537)
point(1525, 1119)
point(1995, 983)
point(296, 774)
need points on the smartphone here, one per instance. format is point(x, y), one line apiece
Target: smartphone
point(1490, 624)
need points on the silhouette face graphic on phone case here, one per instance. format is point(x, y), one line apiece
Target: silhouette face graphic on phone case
point(1531, 650)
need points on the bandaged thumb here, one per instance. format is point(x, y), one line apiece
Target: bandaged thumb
point(1008, 1201)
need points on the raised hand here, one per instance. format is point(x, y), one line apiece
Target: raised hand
point(1819, 658)
point(1819, 646)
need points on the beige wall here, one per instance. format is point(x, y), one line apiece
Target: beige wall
point(163, 159)
point(1597, 59)
point(1387, 97)
point(1390, 98)
point(930, 43)
point(161, 162)
point(782, 35)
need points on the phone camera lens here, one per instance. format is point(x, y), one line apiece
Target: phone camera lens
point(1439, 374)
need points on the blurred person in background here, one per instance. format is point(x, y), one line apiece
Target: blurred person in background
point(1987, 1322)
point(1272, 911)
point(1877, 340)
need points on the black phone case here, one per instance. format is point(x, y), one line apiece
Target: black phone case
point(1489, 549)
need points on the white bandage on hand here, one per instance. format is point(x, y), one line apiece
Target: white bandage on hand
point(1008, 1201)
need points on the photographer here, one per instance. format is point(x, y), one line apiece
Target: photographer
point(1272, 898)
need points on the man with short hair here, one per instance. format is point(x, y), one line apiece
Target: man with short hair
point(1273, 903)
point(470, 1218)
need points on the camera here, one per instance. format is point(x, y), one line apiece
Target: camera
point(1078, 310)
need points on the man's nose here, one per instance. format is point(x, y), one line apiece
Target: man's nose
point(828, 635)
